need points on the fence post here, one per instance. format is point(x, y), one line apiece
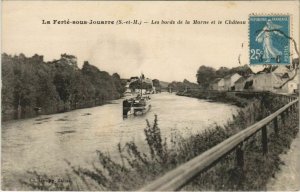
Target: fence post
point(295, 107)
point(276, 126)
point(287, 111)
point(240, 156)
point(264, 139)
point(283, 117)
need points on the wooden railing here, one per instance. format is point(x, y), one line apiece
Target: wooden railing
point(184, 173)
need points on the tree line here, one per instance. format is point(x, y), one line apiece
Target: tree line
point(31, 85)
point(182, 86)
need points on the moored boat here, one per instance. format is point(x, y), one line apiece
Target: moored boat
point(136, 106)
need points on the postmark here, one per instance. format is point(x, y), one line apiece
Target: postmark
point(269, 39)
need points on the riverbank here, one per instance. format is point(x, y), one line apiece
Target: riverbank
point(140, 167)
point(238, 98)
point(217, 96)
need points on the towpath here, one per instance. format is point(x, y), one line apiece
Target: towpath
point(288, 178)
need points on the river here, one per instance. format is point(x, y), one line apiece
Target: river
point(44, 143)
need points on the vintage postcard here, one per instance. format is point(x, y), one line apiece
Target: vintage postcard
point(150, 96)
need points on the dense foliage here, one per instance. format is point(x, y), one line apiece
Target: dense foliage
point(140, 85)
point(30, 84)
point(156, 84)
point(182, 86)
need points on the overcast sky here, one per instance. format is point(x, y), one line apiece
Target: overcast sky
point(165, 52)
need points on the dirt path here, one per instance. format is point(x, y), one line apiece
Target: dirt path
point(288, 178)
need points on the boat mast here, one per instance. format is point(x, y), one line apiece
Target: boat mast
point(142, 76)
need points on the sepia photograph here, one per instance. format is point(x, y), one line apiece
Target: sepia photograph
point(150, 96)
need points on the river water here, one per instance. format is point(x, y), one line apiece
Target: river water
point(45, 142)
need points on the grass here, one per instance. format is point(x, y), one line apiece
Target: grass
point(258, 168)
point(138, 168)
point(215, 96)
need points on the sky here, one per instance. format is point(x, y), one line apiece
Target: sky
point(165, 52)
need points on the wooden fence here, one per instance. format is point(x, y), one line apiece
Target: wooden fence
point(178, 177)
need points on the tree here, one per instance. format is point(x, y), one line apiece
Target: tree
point(118, 83)
point(176, 86)
point(8, 78)
point(205, 75)
point(138, 85)
point(222, 72)
point(156, 84)
point(63, 86)
point(30, 82)
point(242, 70)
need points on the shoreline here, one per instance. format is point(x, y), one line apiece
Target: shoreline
point(223, 97)
point(29, 116)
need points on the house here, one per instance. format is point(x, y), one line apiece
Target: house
point(269, 82)
point(217, 85)
point(229, 81)
point(149, 81)
point(291, 87)
point(281, 70)
point(263, 82)
point(273, 81)
point(249, 83)
point(240, 84)
point(214, 85)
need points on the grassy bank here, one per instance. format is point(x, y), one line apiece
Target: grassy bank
point(258, 168)
point(216, 97)
point(138, 168)
point(240, 99)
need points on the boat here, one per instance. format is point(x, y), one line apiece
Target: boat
point(136, 106)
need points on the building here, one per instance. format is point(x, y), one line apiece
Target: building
point(269, 82)
point(291, 87)
point(281, 70)
point(217, 85)
point(263, 82)
point(214, 85)
point(133, 80)
point(229, 81)
point(239, 85)
point(249, 83)
point(276, 81)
